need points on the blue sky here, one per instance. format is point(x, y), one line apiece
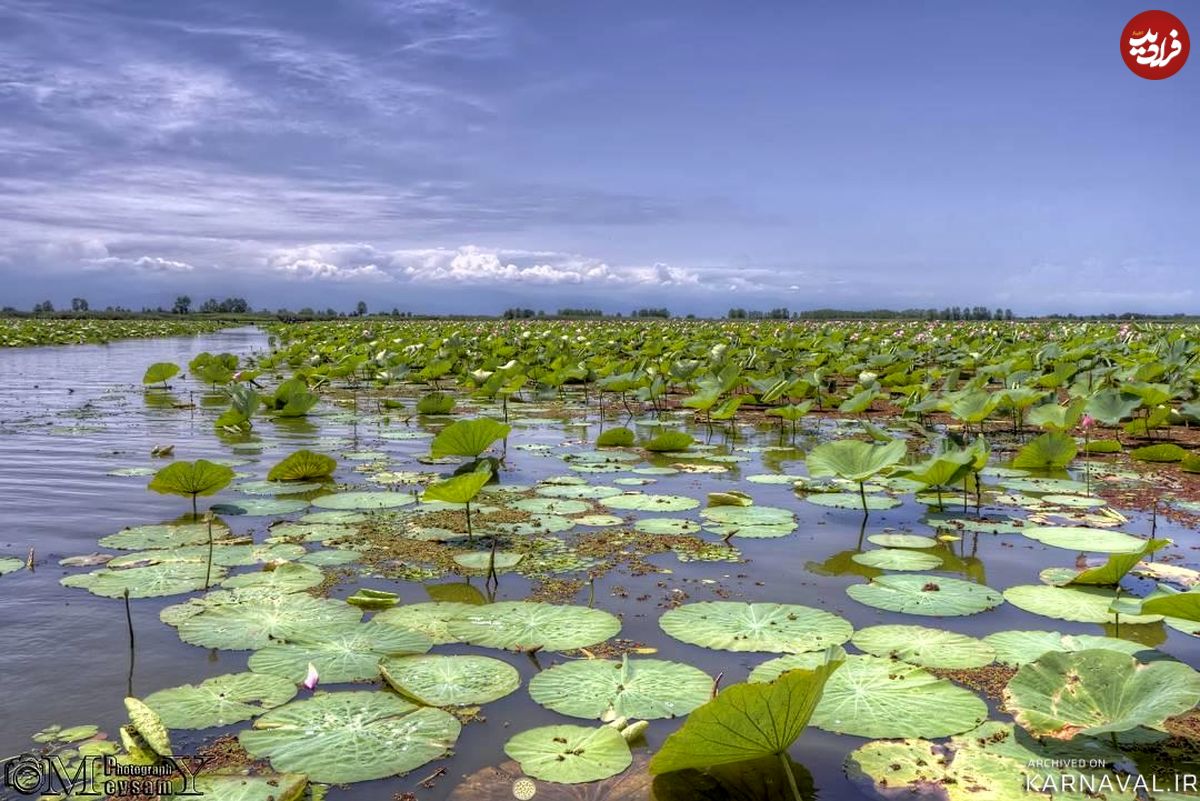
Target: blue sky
point(455, 155)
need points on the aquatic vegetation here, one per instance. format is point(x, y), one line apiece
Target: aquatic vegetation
point(438, 680)
point(303, 465)
point(191, 479)
point(635, 688)
point(160, 373)
point(16, 333)
point(570, 754)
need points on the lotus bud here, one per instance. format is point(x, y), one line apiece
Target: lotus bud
point(635, 730)
point(311, 679)
point(1087, 422)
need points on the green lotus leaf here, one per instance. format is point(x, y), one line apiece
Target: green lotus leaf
point(1079, 604)
point(1114, 568)
point(1065, 694)
point(1021, 647)
point(287, 577)
point(1079, 538)
point(450, 680)
point(570, 754)
point(525, 625)
point(852, 500)
point(1048, 451)
point(754, 522)
point(556, 506)
point(149, 726)
point(729, 498)
point(768, 627)
point(220, 700)
point(852, 459)
point(160, 373)
point(342, 653)
point(642, 502)
point(356, 501)
point(670, 441)
point(615, 437)
point(902, 541)
point(925, 647)
point(485, 560)
point(1162, 452)
point(366, 598)
point(898, 559)
point(666, 526)
point(646, 689)
point(1110, 406)
point(336, 738)
point(269, 787)
point(11, 565)
point(254, 621)
point(1102, 446)
point(1056, 418)
point(747, 721)
point(578, 491)
point(1179, 606)
point(435, 403)
point(935, 596)
point(458, 592)
point(303, 465)
point(222, 554)
point(431, 619)
point(873, 697)
point(468, 437)
point(153, 581)
point(260, 507)
point(277, 488)
point(191, 479)
point(459, 489)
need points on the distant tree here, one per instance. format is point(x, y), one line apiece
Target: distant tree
point(361, 308)
point(79, 304)
point(45, 307)
point(737, 314)
point(183, 304)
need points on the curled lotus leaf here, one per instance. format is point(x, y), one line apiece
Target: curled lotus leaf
point(337, 738)
point(468, 437)
point(935, 596)
point(570, 754)
point(1091, 692)
point(220, 700)
point(525, 625)
point(773, 628)
point(303, 465)
point(635, 688)
point(924, 646)
point(200, 477)
point(438, 680)
point(149, 726)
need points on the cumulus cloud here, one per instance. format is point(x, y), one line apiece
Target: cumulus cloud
point(149, 264)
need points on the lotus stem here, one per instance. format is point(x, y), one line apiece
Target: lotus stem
point(787, 769)
point(208, 570)
point(470, 536)
point(862, 493)
point(129, 623)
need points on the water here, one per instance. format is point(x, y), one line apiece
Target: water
point(69, 415)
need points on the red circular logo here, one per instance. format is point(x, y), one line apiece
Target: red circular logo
point(1155, 45)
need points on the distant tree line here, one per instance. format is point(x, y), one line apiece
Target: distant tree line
point(774, 314)
point(947, 313)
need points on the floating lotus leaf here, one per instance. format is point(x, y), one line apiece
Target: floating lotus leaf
point(10, 565)
point(747, 721)
point(773, 628)
point(344, 653)
point(149, 537)
point(1163, 452)
point(642, 502)
point(898, 559)
point(935, 596)
point(269, 787)
point(577, 491)
point(522, 625)
point(923, 646)
point(1074, 501)
point(1080, 604)
point(599, 521)
point(288, 577)
point(276, 488)
point(556, 506)
point(1065, 694)
point(153, 581)
point(353, 501)
point(260, 507)
point(729, 498)
point(1021, 647)
point(902, 541)
point(666, 525)
point(450, 680)
point(222, 554)
point(995, 762)
point(468, 437)
point(221, 700)
point(570, 754)
point(343, 517)
point(303, 465)
point(483, 560)
point(754, 522)
point(337, 738)
point(873, 697)
point(256, 620)
point(431, 619)
point(852, 500)
point(1079, 538)
point(149, 726)
point(330, 557)
point(636, 688)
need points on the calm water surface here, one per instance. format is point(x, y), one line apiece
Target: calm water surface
point(69, 415)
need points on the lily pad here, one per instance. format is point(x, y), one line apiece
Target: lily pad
point(337, 738)
point(755, 522)
point(482, 560)
point(1079, 604)
point(666, 525)
point(852, 500)
point(1062, 695)
point(1080, 538)
point(902, 541)
point(1021, 647)
point(636, 688)
point(260, 507)
point(570, 754)
point(431, 619)
point(773, 628)
point(221, 700)
point(357, 501)
point(11, 565)
point(255, 621)
point(288, 577)
point(143, 538)
point(643, 502)
point(923, 646)
point(523, 625)
point(557, 506)
point(450, 680)
point(898, 559)
point(344, 653)
point(153, 581)
point(935, 596)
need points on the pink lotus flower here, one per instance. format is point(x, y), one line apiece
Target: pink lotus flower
point(1087, 422)
point(310, 680)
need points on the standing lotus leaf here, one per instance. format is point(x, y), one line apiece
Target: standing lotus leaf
point(336, 738)
point(341, 654)
point(527, 625)
point(191, 479)
point(636, 688)
point(468, 437)
point(570, 754)
point(220, 701)
point(1065, 694)
point(450, 680)
point(774, 628)
point(303, 465)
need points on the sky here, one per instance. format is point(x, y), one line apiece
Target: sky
point(464, 156)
